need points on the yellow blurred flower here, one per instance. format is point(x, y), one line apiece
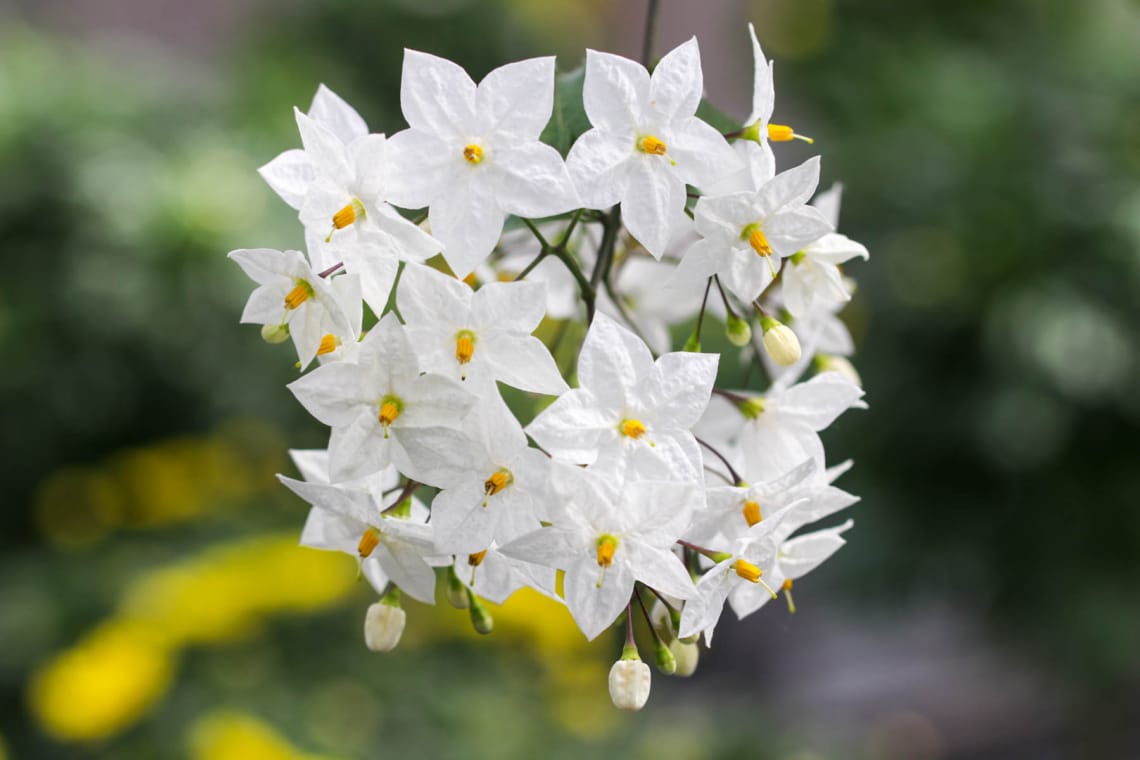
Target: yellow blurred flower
point(228, 735)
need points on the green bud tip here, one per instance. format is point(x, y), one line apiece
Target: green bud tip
point(629, 652)
point(481, 619)
point(666, 662)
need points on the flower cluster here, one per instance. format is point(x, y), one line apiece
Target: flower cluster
point(646, 488)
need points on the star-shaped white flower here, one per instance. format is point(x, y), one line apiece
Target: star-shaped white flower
point(293, 299)
point(347, 518)
point(494, 576)
point(733, 510)
point(813, 280)
point(478, 336)
point(746, 234)
point(472, 155)
point(630, 416)
point(368, 404)
point(494, 487)
point(606, 537)
point(646, 143)
point(337, 183)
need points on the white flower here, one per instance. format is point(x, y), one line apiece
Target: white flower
point(472, 153)
point(814, 279)
point(349, 519)
point(292, 295)
point(630, 415)
point(744, 235)
point(494, 486)
point(479, 336)
point(494, 576)
point(733, 510)
point(646, 143)
point(607, 536)
point(337, 183)
point(370, 403)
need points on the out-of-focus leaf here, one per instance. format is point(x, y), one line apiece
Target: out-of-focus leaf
point(568, 120)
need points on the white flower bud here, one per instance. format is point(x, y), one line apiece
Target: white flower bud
point(687, 654)
point(828, 363)
point(780, 342)
point(275, 333)
point(629, 682)
point(383, 627)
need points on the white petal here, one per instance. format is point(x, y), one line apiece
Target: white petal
point(290, 175)
point(790, 188)
point(763, 91)
point(515, 306)
point(804, 553)
point(595, 606)
point(531, 181)
point(420, 168)
point(615, 93)
point(468, 221)
point(683, 387)
point(358, 449)
point(791, 230)
point(463, 523)
point(612, 360)
point(516, 100)
point(333, 393)
point(434, 400)
point(333, 113)
point(820, 400)
point(525, 363)
point(649, 208)
point(599, 166)
point(429, 297)
point(436, 95)
point(703, 156)
point(323, 149)
point(675, 89)
point(440, 457)
point(660, 569)
point(408, 570)
point(549, 547)
point(572, 427)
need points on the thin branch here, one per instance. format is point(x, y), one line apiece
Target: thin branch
point(737, 480)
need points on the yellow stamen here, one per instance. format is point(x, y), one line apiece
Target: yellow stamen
point(471, 280)
point(464, 346)
point(747, 570)
point(344, 217)
point(369, 541)
point(298, 295)
point(328, 345)
point(784, 133)
point(787, 589)
point(497, 482)
point(632, 428)
point(477, 558)
point(473, 153)
point(759, 241)
point(752, 513)
point(607, 544)
point(650, 144)
point(389, 411)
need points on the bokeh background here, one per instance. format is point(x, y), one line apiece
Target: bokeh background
point(153, 603)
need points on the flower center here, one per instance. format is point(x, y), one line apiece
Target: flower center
point(300, 293)
point(472, 154)
point(651, 145)
point(369, 541)
point(607, 544)
point(632, 428)
point(752, 513)
point(747, 570)
point(348, 214)
point(497, 482)
point(328, 344)
point(476, 559)
point(757, 239)
point(464, 346)
point(390, 408)
point(797, 257)
point(752, 408)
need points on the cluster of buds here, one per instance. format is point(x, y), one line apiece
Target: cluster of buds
point(648, 486)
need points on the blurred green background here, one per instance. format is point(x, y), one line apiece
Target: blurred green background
point(153, 603)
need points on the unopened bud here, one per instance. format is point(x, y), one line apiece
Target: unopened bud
point(275, 333)
point(686, 654)
point(481, 619)
point(629, 681)
point(456, 591)
point(383, 626)
point(840, 364)
point(738, 330)
point(780, 342)
point(666, 662)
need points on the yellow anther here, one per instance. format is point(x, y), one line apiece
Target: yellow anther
point(473, 153)
point(298, 295)
point(328, 345)
point(389, 411)
point(607, 544)
point(752, 513)
point(464, 346)
point(369, 541)
point(747, 570)
point(758, 240)
point(787, 585)
point(650, 144)
point(784, 133)
point(497, 482)
point(632, 428)
point(471, 280)
point(476, 559)
point(344, 217)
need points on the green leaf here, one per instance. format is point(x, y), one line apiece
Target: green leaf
point(717, 118)
point(568, 120)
